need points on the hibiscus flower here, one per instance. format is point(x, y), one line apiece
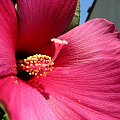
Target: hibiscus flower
point(82, 79)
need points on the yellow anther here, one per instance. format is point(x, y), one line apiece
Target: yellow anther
point(35, 61)
point(22, 65)
point(35, 74)
point(27, 71)
point(25, 60)
point(40, 74)
point(36, 71)
point(30, 73)
point(31, 64)
point(31, 61)
point(27, 67)
point(38, 65)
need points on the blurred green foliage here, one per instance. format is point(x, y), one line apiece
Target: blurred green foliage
point(76, 19)
point(3, 114)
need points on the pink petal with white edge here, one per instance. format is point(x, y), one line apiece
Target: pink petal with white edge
point(41, 20)
point(8, 38)
point(96, 39)
point(23, 102)
point(86, 92)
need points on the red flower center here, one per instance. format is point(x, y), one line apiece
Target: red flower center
point(39, 65)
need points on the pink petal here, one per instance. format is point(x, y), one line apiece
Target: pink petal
point(23, 102)
point(96, 39)
point(8, 35)
point(41, 20)
point(89, 91)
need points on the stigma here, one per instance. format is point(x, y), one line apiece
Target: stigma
point(58, 46)
point(36, 65)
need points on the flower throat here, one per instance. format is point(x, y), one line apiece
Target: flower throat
point(38, 65)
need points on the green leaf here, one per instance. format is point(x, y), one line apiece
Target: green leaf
point(76, 19)
point(5, 117)
point(3, 113)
